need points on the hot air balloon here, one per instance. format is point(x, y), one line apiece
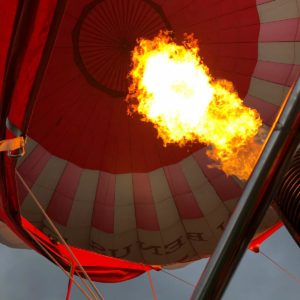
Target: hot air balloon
point(122, 200)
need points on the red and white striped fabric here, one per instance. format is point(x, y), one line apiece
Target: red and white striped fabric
point(104, 178)
point(173, 213)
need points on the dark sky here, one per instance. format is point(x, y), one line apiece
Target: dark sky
point(25, 275)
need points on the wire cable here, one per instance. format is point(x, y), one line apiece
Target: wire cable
point(151, 285)
point(289, 274)
point(178, 278)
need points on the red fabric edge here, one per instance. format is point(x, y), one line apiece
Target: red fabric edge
point(256, 243)
point(99, 267)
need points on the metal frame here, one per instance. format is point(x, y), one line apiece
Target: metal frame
point(282, 141)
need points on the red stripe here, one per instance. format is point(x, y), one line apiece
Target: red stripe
point(274, 72)
point(267, 111)
point(225, 186)
point(104, 208)
point(184, 199)
point(146, 217)
point(31, 168)
point(62, 199)
point(281, 31)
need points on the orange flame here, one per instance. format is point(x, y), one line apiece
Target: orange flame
point(172, 88)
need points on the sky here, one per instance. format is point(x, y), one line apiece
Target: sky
point(25, 275)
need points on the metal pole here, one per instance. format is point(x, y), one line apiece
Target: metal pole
point(255, 200)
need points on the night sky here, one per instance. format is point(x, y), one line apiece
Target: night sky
point(26, 275)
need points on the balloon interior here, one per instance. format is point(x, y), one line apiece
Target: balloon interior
point(172, 88)
point(139, 137)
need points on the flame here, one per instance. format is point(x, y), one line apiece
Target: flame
point(172, 88)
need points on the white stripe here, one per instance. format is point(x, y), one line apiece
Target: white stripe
point(43, 188)
point(173, 233)
point(127, 246)
point(154, 252)
point(79, 222)
point(204, 193)
point(213, 208)
point(280, 52)
point(176, 245)
point(123, 245)
point(124, 204)
point(268, 91)
point(165, 207)
point(199, 229)
point(278, 10)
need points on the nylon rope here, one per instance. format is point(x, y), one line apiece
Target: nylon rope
point(289, 274)
point(59, 265)
point(151, 285)
point(178, 278)
point(61, 239)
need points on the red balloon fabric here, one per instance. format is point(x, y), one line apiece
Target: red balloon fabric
point(86, 121)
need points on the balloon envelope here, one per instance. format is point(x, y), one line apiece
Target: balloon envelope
point(104, 178)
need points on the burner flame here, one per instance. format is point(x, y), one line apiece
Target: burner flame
point(172, 88)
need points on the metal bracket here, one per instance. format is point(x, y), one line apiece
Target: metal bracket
point(16, 153)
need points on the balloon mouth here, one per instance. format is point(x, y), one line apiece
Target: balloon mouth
point(103, 56)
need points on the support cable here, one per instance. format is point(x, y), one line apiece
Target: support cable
point(152, 286)
point(289, 274)
point(178, 278)
point(61, 239)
